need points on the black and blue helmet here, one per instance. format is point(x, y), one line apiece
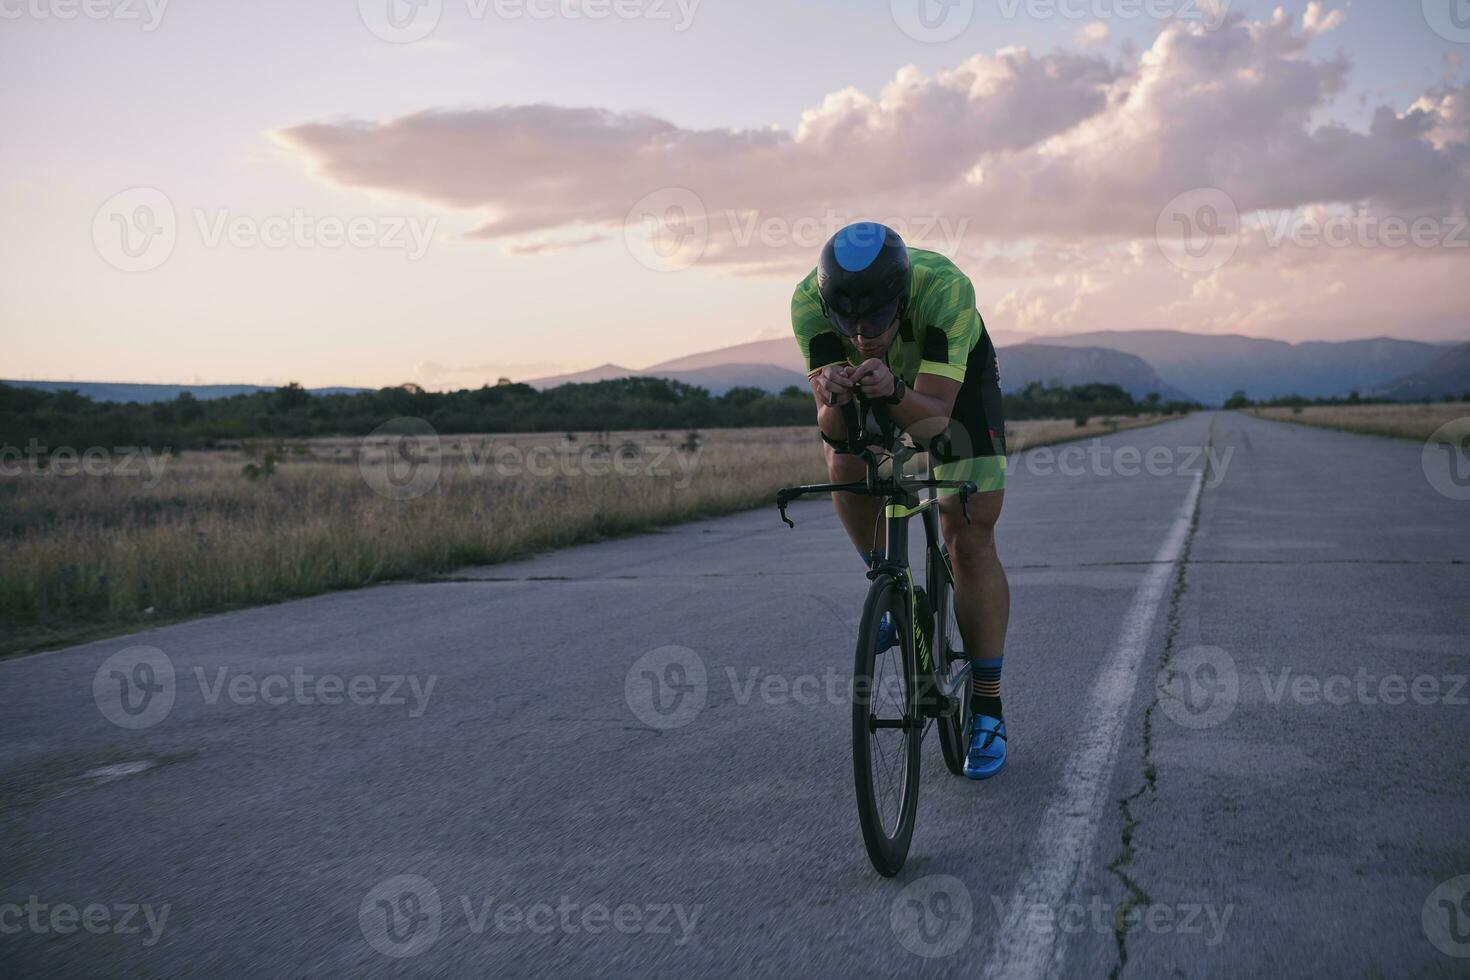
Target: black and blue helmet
point(863, 278)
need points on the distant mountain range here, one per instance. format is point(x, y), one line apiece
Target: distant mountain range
point(1177, 365)
point(776, 364)
point(1211, 367)
point(1447, 374)
point(1069, 366)
point(717, 379)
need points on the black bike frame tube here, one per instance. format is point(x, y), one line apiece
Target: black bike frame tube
point(897, 548)
point(931, 528)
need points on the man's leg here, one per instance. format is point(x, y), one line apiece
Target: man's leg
point(859, 515)
point(982, 596)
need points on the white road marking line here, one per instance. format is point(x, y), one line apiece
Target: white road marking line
point(1025, 946)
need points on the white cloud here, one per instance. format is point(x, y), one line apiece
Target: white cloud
point(1090, 35)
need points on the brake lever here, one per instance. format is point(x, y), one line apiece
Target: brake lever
point(781, 502)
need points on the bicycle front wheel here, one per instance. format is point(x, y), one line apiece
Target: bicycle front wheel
point(886, 730)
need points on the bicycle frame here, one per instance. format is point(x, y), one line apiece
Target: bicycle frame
point(902, 503)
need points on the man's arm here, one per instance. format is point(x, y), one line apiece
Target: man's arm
point(926, 406)
point(832, 387)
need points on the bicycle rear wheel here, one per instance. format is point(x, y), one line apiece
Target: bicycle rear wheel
point(954, 729)
point(886, 730)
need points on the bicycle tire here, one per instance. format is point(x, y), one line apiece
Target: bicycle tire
point(954, 729)
point(884, 688)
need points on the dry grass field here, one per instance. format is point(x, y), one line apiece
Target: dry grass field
point(1417, 422)
point(119, 544)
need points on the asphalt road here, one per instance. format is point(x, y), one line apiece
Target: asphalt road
point(632, 758)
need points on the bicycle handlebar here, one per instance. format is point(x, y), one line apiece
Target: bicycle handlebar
point(858, 442)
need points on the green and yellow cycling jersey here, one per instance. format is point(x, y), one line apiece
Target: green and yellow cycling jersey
point(940, 333)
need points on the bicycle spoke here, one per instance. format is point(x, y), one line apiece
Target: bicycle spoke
point(885, 783)
point(888, 775)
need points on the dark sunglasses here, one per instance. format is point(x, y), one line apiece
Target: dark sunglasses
point(865, 329)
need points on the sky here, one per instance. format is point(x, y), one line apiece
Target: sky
point(369, 192)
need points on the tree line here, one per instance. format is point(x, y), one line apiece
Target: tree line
point(29, 417)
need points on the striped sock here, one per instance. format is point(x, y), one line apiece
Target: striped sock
point(985, 686)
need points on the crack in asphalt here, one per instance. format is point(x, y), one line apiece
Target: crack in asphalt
point(1137, 896)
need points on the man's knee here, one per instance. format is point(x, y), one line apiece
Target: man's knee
point(844, 468)
point(973, 540)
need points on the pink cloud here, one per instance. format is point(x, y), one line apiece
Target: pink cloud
point(1048, 172)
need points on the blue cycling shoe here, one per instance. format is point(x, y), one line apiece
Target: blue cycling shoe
point(987, 754)
point(887, 635)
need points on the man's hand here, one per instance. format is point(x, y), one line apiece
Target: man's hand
point(873, 379)
point(833, 384)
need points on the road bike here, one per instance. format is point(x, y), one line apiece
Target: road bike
point(925, 676)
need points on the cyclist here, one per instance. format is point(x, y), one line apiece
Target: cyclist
point(898, 325)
